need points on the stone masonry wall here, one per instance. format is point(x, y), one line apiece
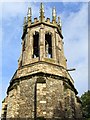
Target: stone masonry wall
point(13, 102)
point(41, 96)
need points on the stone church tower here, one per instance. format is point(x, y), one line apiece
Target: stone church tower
point(41, 87)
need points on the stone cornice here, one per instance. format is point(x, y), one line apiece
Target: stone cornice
point(44, 23)
point(16, 81)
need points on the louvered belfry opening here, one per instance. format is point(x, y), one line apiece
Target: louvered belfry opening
point(36, 45)
point(48, 45)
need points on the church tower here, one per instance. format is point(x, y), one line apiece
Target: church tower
point(42, 87)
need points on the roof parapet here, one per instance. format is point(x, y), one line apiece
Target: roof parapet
point(28, 20)
point(35, 20)
point(48, 20)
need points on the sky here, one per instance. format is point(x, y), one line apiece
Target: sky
point(74, 16)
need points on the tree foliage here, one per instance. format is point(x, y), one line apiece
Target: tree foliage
point(85, 98)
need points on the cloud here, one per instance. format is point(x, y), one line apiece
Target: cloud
point(15, 9)
point(12, 9)
point(75, 31)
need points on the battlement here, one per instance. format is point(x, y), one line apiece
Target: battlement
point(53, 23)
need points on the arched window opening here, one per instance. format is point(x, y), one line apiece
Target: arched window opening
point(36, 45)
point(48, 45)
point(24, 42)
point(24, 45)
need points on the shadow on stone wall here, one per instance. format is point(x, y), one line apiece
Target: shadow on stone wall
point(58, 112)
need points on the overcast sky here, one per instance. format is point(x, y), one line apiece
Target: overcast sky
point(74, 16)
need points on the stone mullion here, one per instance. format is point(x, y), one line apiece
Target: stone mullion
point(60, 49)
point(42, 43)
point(53, 47)
point(56, 38)
point(31, 46)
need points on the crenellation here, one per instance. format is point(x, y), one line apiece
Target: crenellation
point(48, 20)
point(36, 20)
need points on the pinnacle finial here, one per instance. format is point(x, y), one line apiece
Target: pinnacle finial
point(59, 22)
point(54, 14)
point(29, 14)
point(41, 11)
point(42, 8)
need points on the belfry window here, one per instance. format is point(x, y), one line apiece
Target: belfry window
point(36, 45)
point(24, 45)
point(24, 42)
point(48, 45)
